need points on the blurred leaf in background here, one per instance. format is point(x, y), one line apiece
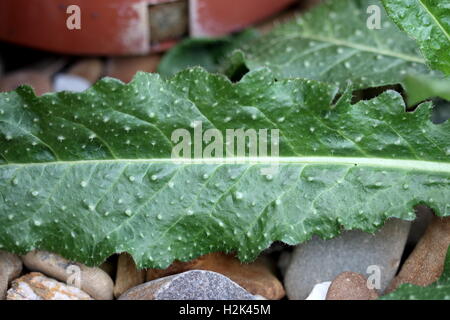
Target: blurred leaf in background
point(205, 52)
point(421, 88)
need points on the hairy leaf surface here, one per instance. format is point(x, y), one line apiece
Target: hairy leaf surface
point(428, 22)
point(90, 174)
point(333, 43)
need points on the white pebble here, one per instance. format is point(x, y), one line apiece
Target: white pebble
point(319, 292)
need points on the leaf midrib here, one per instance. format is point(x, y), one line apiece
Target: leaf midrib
point(436, 21)
point(343, 43)
point(418, 165)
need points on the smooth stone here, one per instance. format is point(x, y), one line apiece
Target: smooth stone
point(94, 281)
point(190, 285)
point(89, 69)
point(257, 277)
point(318, 260)
point(425, 264)
point(351, 286)
point(40, 81)
point(127, 276)
point(10, 269)
point(125, 68)
point(36, 286)
point(69, 82)
point(319, 292)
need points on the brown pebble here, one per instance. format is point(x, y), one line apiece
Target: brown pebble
point(128, 276)
point(125, 68)
point(94, 281)
point(425, 264)
point(350, 286)
point(89, 69)
point(40, 81)
point(10, 268)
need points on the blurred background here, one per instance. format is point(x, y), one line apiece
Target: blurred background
point(56, 45)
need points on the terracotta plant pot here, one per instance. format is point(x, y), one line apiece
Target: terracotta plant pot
point(124, 27)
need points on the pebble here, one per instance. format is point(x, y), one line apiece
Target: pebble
point(10, 269)
point(124, 68)
point(256, 277)
point(319, 292)
point(94, 281)
point(351, 286)
point(89, 69)
point(69, 82)
point(425, 264)
point(318, 261)
point(36, 286)
point(127, 276)
point(190, 285)
point(40, 81)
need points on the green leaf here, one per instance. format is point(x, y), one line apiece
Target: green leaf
point(332, 43)
point(205, 52)
point(420, 88)
point(89, 174)
point(440, 290)
point(428, 22)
